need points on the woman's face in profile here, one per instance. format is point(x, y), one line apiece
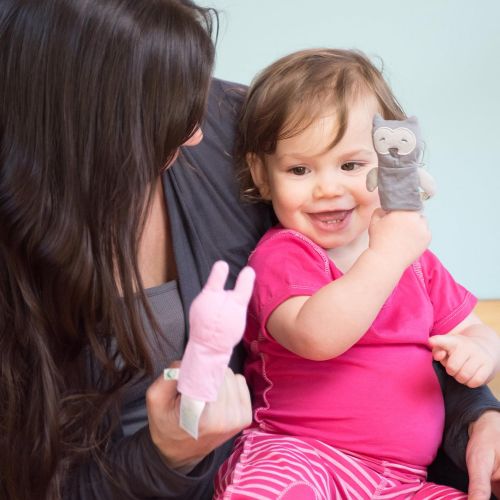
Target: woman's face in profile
point(195, 138)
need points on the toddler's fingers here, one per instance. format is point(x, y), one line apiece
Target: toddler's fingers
point(439, 354)
point(378, 213)
point(455, 361)
point(481, 377)
point(445, 342)
point(218, 276)
point(244, 285)
point(468, 370)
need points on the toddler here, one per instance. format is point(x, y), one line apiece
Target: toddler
point(349, 305)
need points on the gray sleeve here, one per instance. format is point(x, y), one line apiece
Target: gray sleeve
point(134, 469)
point(462, 405)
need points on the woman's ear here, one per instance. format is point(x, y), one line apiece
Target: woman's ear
point(259, 175)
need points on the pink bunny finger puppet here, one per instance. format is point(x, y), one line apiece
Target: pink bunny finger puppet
point(402, 182)
point(217, 322)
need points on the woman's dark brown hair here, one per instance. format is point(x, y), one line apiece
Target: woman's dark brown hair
point(288, 95)
point(95, 98)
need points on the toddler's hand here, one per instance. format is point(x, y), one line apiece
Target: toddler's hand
point(464, 358)
point(400, 236)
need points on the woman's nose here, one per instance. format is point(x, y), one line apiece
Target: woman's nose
point(195, 138)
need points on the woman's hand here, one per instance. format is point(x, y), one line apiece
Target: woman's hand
point(483, 456)
point(221, 420)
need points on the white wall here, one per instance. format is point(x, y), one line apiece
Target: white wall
point(442, 59)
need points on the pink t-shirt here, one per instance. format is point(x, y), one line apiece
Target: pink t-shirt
point(380, 398)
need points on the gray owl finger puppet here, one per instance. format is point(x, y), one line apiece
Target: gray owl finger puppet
point(402, 182)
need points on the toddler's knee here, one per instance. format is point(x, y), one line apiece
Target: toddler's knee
point(301, 491)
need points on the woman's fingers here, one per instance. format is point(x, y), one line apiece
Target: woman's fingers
point(232, 411)
point(221, 420)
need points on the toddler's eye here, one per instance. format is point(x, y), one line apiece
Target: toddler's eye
point(350, 166)
point(299, 170)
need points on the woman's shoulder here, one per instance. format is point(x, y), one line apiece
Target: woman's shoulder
point(231, 91)
point(225, 100)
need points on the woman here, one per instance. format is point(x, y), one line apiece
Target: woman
point(95, 99)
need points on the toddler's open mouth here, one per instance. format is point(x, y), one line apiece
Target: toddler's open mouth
point(332, 217)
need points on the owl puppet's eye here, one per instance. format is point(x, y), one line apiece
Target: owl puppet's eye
point(381, 140)
point(404, 140)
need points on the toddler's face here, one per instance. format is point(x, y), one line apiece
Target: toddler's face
point(322, 192)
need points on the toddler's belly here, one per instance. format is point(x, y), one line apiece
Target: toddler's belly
point(381, 401)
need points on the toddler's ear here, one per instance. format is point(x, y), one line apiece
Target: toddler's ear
point(259, 175)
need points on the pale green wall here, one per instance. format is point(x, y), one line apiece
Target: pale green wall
point(442, 59)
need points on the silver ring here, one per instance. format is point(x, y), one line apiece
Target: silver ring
point(171, 373)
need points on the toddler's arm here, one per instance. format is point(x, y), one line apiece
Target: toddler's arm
point(327, 323)
point(470, 352)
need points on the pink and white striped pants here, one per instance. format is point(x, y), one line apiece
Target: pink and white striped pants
point(270, 467)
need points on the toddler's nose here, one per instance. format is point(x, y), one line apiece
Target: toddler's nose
point(328, 188)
